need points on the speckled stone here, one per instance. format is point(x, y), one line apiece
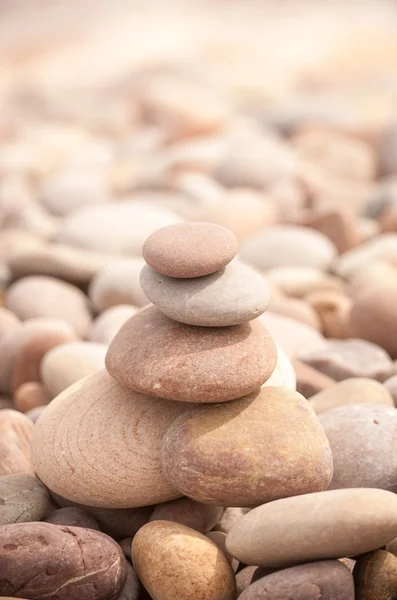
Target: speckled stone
point(231, 296)
point(98, 444)
point(190, 249)
point(93, 566)
point(230, 454)
point(155, 355)
point(174, 561)
point(363, 439)
point(329, 578)
point(330, 524)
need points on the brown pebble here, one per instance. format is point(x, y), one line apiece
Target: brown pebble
point(309, 381)
point(15, 436)
point(72, 517)
point(375, 576)
point(93, 566)
point(333, 310)
point(230, 516)
point(244, 579)
point(186, 250)
point(198, 516)
point(125, 545)
point(339, 224)
point(230, 454)
point(174, 561)
point(342, 359)
point(30, 395)
point(116, 522)
point(155, 355)
point(131, 587)
point(374, 317)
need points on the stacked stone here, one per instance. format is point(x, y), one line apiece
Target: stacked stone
point(183, 423)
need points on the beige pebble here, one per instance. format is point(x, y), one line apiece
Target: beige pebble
point(198, 516)
point(391, 386)
point(323, 525)
point(357, 390)
point(187, 250)
point(149, 353)
point(371, 275)
point(115, 228)
point(118, 284)
point(339, 224)
point(8, 323)
point(231, 296)
point(297, 309)
point(99, 444)
point(64, 365)
point(215, 456)
point(299, 281)
point(72, 188)
point(230, 516)
point(109, 322)
point(74, 265)
point(333, 310)
point(35, 413)
point(292, 336)
point(15, 438)
point(382, 247)
point(41, 296)
point(172, 560)
point(283, 374)
point(30, 395)
point(288, 246)
point(219, 539)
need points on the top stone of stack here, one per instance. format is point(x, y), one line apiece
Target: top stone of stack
point(186, 250)
point(209, 286)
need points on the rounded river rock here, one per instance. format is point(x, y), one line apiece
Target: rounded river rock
point(157, 356)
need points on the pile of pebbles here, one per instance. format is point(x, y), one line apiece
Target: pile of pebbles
point(198, 341)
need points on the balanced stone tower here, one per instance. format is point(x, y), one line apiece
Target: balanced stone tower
point(183, 408)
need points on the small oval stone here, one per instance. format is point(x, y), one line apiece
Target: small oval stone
point(174, 561)
point(41, 296)
point(323, 525)
point(375, 576)
point(23, 498)
point(155, 355)
point(93, 566)
point(108, 323)
point(197, 516)
point(64, 365)
point(231, 296)
point(231, 454)
point(373, 317)
point(330, 578)
point(363, 439)
point(288, 246)
point(29, 396)
point(187, 250)
point(357, 390)
point(99, 444)
point(131, 587)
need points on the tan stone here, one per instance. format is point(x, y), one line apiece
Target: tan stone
point(357, 390)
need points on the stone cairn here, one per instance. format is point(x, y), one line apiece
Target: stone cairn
point(186, 431)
